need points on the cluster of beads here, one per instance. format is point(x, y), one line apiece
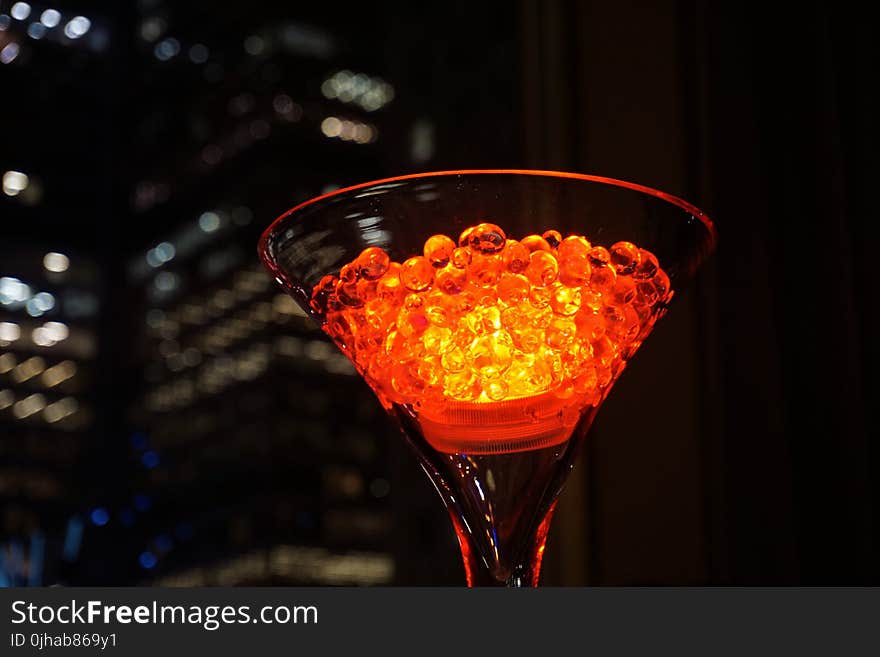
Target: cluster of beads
point(489, 318)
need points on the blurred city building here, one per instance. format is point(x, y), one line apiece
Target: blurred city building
point(167, 415)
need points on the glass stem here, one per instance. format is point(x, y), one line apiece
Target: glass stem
point(524, 570)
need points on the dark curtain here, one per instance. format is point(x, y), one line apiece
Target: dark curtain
point(784, 150)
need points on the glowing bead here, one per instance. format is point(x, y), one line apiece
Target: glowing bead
point(661, 282)
point(462, 386)
point(389, 288)
point(417, 274)
point(535, 243)
point(451, 280)
point(621, 323)
point(604, 350)
point(489, 355)
point(574, 270)
point(623, 292)
point(505, 319)
point(405, 378)
point(496, 389)
point(585, 381)
point(539, 297)
point(372, 263)
point(513, 289)
point(561, 333)
point(602, 278)
point(553, 238)
point(438, 310)
point(542, 269)
point(646, 293)
point(647, 267)
point(590, 325)
point(624, 257)
point(574, 246)
point(461, 257)
point(430, 370)
point(486, 239)
point(485, 271)
point(464, 302)
point(565, 300)
point(347, 294)
point(599, 256)
point(591, 299)
point(438, 250)
point(320, 294)
point(349, 273)
point(411, 322)
point(436, 339)
point(453, 359)
point(483, 320)
point(516, 257)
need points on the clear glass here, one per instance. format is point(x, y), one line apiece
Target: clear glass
point(500, 466)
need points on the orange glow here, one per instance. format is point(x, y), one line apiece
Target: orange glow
point(473, 334)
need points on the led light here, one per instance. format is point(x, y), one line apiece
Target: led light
point(166, 49)
point(56, 331)
point(331, 126)
point(61, 409)
point(7, 399)
point(56, 262)
point(7, 55)
point(36, 30)
point(77, 27)
point(9, 332)
point(7, 362)
point(59, 373)
point(43, 301)
point(20, 11)
point(209, 222)
point(50, 18)
point(29, 406)
point(14, 182)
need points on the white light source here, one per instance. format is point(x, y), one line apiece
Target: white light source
point(7, 55)
point(209, 222)
point(9, 332)
point(60, 409)
point(7, 398)
point(14, 182)
point(43, 301)
point(331, 126)
point(41, 338)
point(13, 291)
point(56, 262)
point(36, 30)
point(20, 11)
point(166, 49)
point(50, 18)
point(165, 251)
point(28, 406)
point(56, 331)
point(77, 27)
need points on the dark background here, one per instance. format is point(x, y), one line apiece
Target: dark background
point(192, 428)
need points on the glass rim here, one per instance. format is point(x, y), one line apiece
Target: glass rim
point(650, 191)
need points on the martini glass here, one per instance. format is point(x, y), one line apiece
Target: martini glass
point(491, 311)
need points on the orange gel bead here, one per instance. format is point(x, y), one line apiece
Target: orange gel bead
point(417, 274)
point(493, 319)
point(438, 250)
point(486, 239)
